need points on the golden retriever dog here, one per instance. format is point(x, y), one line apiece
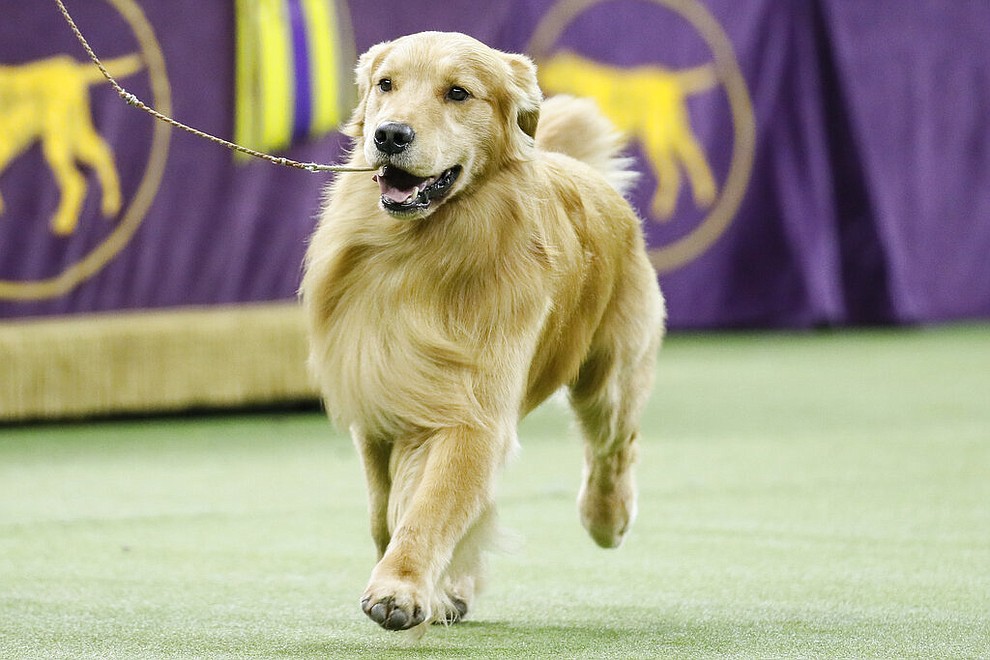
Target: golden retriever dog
point(489, 262)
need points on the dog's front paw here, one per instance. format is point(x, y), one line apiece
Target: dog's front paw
point(394, 605)
point(387, 613)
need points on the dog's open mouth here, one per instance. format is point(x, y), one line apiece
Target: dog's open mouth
point(404, 193)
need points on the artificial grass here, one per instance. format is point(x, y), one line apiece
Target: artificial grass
point(819, 495)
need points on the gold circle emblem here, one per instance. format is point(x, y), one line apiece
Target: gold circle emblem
point(134, 211)
point(724, 71)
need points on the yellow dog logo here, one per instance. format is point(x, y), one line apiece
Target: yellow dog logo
point(649, 104)
point(48, 101)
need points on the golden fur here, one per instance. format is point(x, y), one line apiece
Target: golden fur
point(433, 332)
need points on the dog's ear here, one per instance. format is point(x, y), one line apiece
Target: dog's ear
point(365, 68)
point(525, 92)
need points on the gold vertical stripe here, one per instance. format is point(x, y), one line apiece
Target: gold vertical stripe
point(323, 56)
point(278, 93)
point(246, 75)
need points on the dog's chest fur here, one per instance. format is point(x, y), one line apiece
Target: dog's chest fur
point(476, 313)
point(417, 332)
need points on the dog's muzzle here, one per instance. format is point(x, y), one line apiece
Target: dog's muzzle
point(404, 193)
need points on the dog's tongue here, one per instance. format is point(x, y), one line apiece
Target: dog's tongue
point(397, 185)
point(393, 193)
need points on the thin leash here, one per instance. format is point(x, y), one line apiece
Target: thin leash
point(133, 100)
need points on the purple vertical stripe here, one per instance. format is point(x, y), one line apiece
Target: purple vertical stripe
point(303, 111)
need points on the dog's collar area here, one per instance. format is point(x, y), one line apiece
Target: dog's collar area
point(404, 192)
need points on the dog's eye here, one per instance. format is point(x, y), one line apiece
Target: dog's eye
point(458, 94)
point(385, 84)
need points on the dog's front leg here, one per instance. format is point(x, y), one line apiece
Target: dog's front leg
point(375, 454)
point(455, 487)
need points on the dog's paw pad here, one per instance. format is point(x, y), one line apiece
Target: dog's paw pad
point(390, 616)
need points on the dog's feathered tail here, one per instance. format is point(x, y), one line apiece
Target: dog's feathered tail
point(577, 128)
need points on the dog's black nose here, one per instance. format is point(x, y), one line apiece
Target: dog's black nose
point(392, 137)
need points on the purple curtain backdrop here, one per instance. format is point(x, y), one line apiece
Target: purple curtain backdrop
point(867, 199)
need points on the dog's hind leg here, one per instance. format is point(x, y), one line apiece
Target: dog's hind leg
point(93, 151)
point(664, 201)
point(692, 157)
point(72, 184)
point(609, 396)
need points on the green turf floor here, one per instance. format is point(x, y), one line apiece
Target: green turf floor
point(822, 495)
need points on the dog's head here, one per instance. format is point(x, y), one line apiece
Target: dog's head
point(438, 110)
